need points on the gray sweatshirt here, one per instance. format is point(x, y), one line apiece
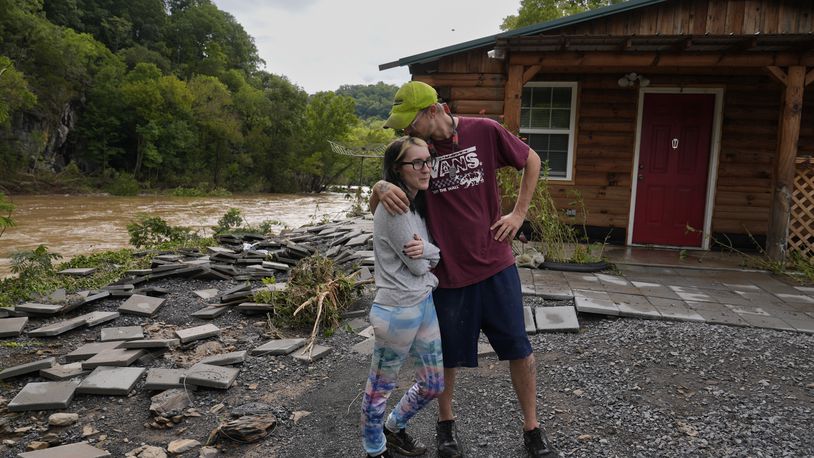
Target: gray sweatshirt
point(400, 280)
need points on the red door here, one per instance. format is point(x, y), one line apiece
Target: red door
point(673, 167)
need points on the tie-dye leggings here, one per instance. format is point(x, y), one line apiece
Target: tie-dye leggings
point(401, 331)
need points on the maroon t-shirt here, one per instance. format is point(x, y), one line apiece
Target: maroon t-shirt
point(463, 201)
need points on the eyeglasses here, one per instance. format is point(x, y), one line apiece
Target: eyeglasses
point(418, 164)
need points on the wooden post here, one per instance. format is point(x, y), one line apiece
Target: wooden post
point(512, 98)
point(784, 164)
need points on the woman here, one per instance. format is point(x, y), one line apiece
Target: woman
point(403, 314)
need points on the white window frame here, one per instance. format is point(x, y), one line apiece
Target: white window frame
point(571, 131)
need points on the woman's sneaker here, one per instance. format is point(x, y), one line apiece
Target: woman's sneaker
point(447, 440)
point(384, 454)
point(404, 443)
point(537, 444)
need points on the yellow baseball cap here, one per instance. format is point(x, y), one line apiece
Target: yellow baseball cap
point(411, 98)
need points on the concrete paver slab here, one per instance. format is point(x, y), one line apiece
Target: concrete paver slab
point(78, 272)
point(225, 359)
point(40, 309)
point(317, 352)
point(357, 324)
point(119, 357)
point(766, 322)
point(116, 381)
point(151, 343)
point(121, 333)
point(91, 349)
point(96, 297)
point(597, 306)
point(560, 318)
point(675, 309)
point(63, 372)
point(207, 293)
point(278, 347)
point(210, 313)
point(58, 328)
point(692, 294)
point(364, 347)
point(26, 368)
point(43, 396)
point(717, 313)
point(367, 332)
point(591, 294)
point(12, 327)
point(485, 349)
point(99, 317)
point(528, 318)
point(138, 304)
point(198, 332)
point(77, 450)
point(220, 377)
point(636, 306)
point(795, 298)
point(164, 379)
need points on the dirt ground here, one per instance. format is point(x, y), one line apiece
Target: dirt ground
point(619, 387)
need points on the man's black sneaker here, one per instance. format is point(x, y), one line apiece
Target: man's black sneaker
point(447, 440)
point(404, 443)
point(385, 454)
point(537, 444)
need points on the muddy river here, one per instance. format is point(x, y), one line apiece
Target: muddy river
point(71, 225)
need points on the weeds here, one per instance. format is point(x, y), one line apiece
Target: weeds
point(153, 232)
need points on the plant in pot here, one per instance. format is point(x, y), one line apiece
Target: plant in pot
point(560, 244)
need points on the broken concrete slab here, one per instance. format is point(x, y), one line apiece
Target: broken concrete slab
point(12, 327)
point(151, 343)
point(77, 450)
point(255, 307)
point(43, 396)
point(39, 309)
point(367, 332)
point(198, 332)
point(118, 357)
point(91, 349)
point(164, 379)
point(225, 359)
point(171, 402)
point(138, 304)
point(26, 368)
point(121, 333)
point(317, 352)
point(116, 381)
point(560, 318)
point(278, 347)
point(717, 313)
point(675, 309)
point(59, 327)
point(210, 376)
point(63, 372)
point(357, 324)
point(209, 313)
point(634, 306)
point(78, 272)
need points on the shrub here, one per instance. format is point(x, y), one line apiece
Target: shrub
point(153, 232)
point(124, 184)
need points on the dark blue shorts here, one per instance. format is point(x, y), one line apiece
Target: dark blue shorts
point(495, 306)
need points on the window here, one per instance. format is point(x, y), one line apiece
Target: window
point(547, 117)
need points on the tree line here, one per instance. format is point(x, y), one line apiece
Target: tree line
point(166, 94)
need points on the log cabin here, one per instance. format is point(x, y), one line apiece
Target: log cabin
point(663, 114)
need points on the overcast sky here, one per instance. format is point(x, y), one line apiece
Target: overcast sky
point(322, 44)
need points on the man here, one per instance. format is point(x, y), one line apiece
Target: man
point(479, 286)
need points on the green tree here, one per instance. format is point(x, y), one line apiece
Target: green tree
point(14, 92)
point(327, 117)
point(372, 100)
point(219, 126)
point(536, 11)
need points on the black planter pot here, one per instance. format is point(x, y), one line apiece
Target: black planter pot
point(575, 267)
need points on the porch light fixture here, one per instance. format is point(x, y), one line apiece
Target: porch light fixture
point(629, 80)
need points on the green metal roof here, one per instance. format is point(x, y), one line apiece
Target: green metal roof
point(523, 31)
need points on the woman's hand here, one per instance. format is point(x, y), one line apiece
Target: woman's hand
point(414, 248)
